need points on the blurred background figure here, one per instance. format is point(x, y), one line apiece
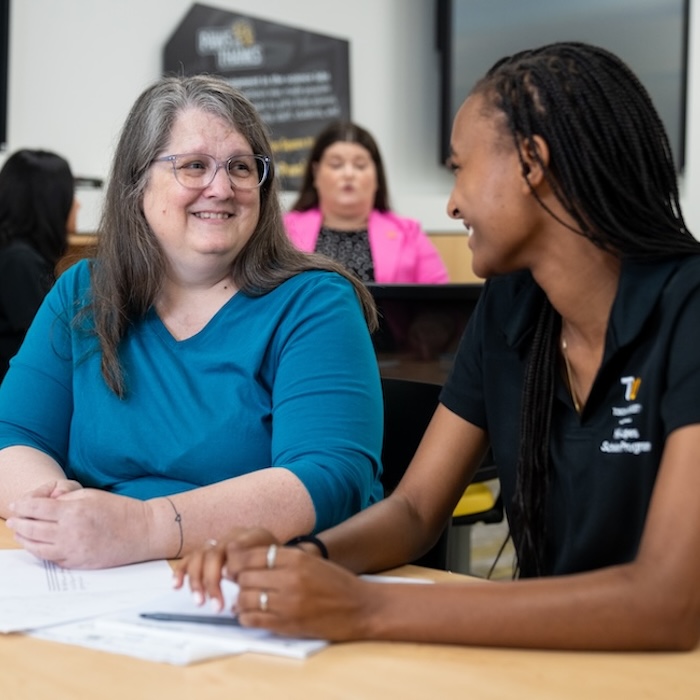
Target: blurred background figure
point(37, 210)
point(343, 211)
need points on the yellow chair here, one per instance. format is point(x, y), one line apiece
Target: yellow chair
point(477, 499)
point(478, 504)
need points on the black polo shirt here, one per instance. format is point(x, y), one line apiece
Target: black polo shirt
point(604, 462)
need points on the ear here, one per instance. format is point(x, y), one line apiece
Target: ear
point(535, 159)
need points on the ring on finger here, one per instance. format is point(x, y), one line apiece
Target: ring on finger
point(211, 543)
point(264, 599)
point(271, 556)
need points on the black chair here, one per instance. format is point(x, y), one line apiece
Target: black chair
point(408, 407)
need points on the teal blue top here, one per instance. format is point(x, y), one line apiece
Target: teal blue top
point(288, 379)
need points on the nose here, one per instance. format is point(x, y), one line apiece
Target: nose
point(221, 184)
point(452, 209)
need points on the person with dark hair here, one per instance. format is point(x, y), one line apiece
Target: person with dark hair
point(343, 211)
point(200, 373)
point(37, 211)
point(579, 368)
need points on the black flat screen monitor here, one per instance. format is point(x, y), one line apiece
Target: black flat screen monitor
point(420, 326)
point(650, 35)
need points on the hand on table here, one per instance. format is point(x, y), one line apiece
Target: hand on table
point(285, 590)
point(80, 528)
point(205, 567)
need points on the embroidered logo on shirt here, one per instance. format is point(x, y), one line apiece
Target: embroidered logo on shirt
point(626, 437)
point(631, 385)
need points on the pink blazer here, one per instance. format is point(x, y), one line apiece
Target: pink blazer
point(402, 253)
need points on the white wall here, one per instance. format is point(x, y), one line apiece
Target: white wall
point(76, 66)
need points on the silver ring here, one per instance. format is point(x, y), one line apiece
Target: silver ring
point(263, 601)
point(271, 556)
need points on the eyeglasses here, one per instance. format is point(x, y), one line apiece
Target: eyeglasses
point(198, 170)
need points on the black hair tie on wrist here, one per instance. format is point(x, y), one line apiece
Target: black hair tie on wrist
point(309, 538)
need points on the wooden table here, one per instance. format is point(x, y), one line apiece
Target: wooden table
point(32, 669)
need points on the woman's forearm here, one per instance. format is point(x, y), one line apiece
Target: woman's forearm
point(23, 469)
point(273, 499)
point(355, 545)
point(621, 608)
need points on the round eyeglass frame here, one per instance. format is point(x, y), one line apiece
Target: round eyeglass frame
point(265, 160)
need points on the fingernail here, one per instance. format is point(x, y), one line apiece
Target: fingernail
point(216, 605)
point(198, 598)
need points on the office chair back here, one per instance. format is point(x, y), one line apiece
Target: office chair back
point(408, 407)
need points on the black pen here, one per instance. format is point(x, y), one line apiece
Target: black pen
point(184, 617)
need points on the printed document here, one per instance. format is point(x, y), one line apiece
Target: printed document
point(36, 593)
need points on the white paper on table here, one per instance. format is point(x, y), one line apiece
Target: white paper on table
point(382, 578)
point(188, 642)
point(182, 643)
point(178, 643)
point(35, 593)
point(229, 638)
point(179, 650)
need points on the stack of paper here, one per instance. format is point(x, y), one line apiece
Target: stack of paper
point(36, 593)
point(102, 609)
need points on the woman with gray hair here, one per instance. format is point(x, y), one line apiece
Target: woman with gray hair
point(198, 375)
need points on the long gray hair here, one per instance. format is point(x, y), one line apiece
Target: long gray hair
point(130, 266)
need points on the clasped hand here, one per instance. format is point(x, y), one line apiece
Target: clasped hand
point(80, 528)
point(300, 595)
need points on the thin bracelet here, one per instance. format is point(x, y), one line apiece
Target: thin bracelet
point(178, 520)
point(309, 538)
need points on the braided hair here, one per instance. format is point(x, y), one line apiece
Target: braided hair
point(611, 167)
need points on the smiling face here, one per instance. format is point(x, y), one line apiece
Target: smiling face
point(346, 180)
point(200, 231)
point(490, 193)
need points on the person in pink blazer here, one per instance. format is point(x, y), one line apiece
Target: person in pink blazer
point(343, 212)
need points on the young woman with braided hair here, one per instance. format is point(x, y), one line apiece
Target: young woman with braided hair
point(579, 368)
